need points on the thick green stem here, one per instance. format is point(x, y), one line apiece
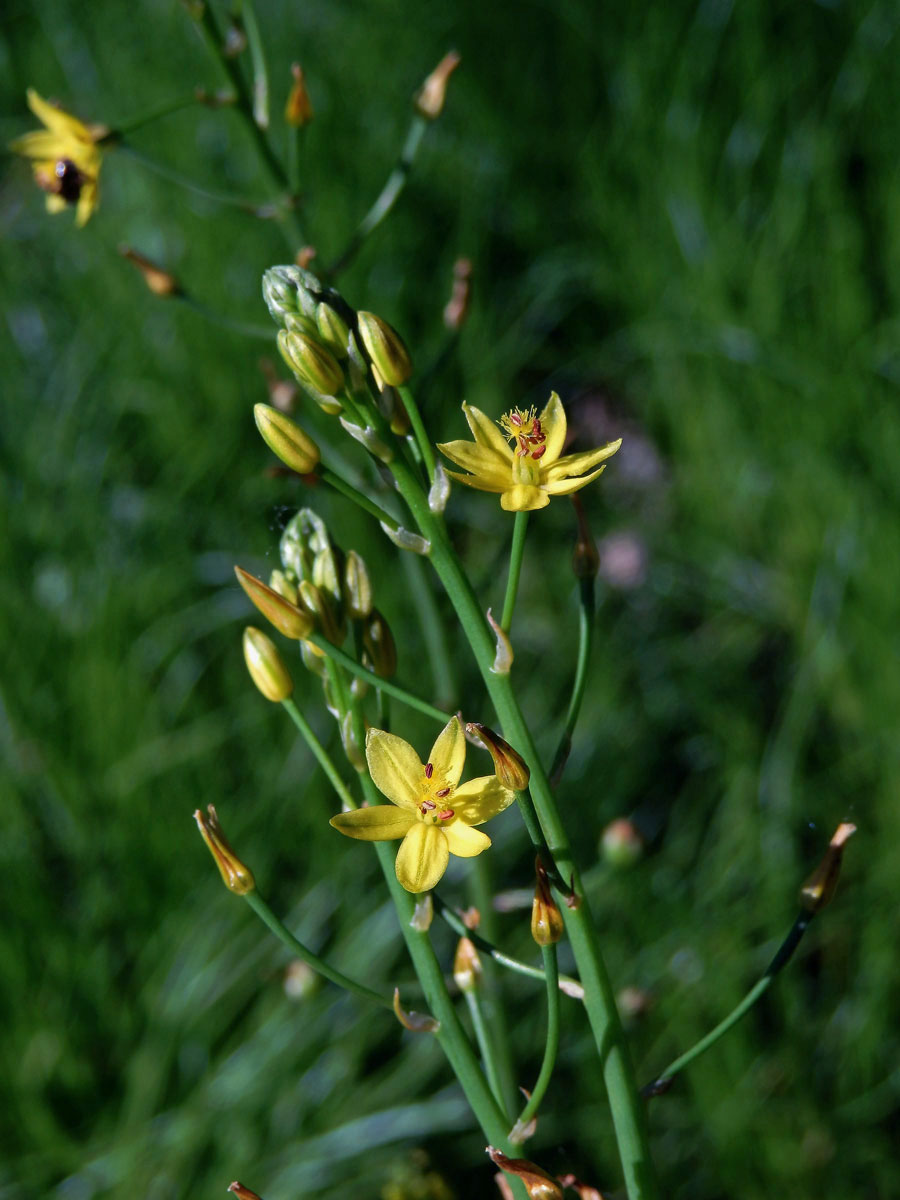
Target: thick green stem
point(320, 753)
point(552, 1043)
point(516, 555)
point(266, 915)
point(629, 1118)
point(350, 664)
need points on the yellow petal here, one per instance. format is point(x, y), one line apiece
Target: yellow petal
point(480, 482)
point(565, 487)
point(553, 425)
point(396, 769)
point(448, 754)
point(524, 497)
point(380, 824)
point(55, 204)
point(59, 122)
point(422, 857)
point(43, 144)
point(577, 464)
point(480, 799)
point(485, 431)
point(464, 841)
point(478, 459)
point(87, 202)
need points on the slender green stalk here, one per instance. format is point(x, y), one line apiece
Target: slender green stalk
point(629, 1118)
point(347, 489)
point(489, 992)
point(571, 987)
point(260, 70)
point(266, 915)
point(781, 959)
point(486, 1048)
point(551, 1045)
point(146, 118)
point(261, 332)
point(579, 684)
point(386, 200)
point(392, 689)
point(320, 753)
point(422, 439)
point(184, 181)
point(516, 555)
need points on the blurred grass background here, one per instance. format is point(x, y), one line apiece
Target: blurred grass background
point(683, 218)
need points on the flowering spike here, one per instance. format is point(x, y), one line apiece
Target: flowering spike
point(385, 349)
point(266, 668)
point(286, 439)
point(819, 887)
point(503, 655)
point(298, 111)
point(287, 618)
point(237, 877)
point(406, 539)
point(429, 100)
point(509, 766)
point(546, 919)
point(413, 1021)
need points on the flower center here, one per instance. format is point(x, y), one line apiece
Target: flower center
point(433, 807)
point(524, 428)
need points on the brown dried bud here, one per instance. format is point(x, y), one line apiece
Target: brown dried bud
point(509, 765)
point(546, 919)
point(413, 1021)
point(160, 282)
point(819, 888)
point(287, 618)
point(429, 99)
point(466, 966)
point(237, 877)
point(298, 111)
point(538, 1184)
point(242, 1193)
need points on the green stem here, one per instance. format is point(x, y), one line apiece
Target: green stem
point(153, 114)
point(347, 489)
point(266, 915)
point(552, 1044)
point(421, 436)
point(261, 332)
point(392, 689)
point(629, 1118)
point(320, 753)
point(489, 996)
point(260, 71)
point(516, 554)
point(781, 959)
point(184, 181)
point(579, 685)
point(386, 200)
point(485, 1047)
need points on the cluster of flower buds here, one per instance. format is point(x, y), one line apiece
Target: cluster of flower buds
point(338, 354)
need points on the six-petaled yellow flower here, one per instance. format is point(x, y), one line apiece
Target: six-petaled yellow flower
point(528, 471)
point(65, 158)
point(432, 811)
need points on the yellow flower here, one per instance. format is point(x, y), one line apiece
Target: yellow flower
point(65, 158)
point(530, 471)
point(434, 814)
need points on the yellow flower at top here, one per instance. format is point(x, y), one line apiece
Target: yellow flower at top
point(529, 471)
point(433, 812)
point(65, 158)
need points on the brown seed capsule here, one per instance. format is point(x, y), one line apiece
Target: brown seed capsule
point(819, 888)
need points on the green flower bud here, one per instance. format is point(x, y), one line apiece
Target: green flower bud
point(357, 587)
point(298, 323)
point(328, 571)
point(266, 668)
point(356, 754)
point(313, 365)
point(290, 289)
point(280, 583)
point(385, 349)
point(332, 330)
point(286, 439)
point(314, 659)
point(319, 604)
point(379, 644)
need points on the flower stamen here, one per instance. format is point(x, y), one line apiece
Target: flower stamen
point(442, 793)
point(445, 814)
point(429, 770)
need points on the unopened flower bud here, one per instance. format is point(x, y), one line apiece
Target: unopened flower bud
point(301, 323)
point(314, 660)
point(311, 363)
point(379, 644)
point(466, 966)
point(538, 1184)
point(413, 1021)
point(241, 1192)
point(429, 99)
point(509, 766)
point(328, 573)
point(237, 877)
point(265, 665)
point(819, 888)
point(286, 439)
point(546, 919)
point(356, 754)
point(280, 583)
point(298, 111)
point(332, 329)
point(385, 349)
point(279, 292)
point(319, 604)
point(366, 436)
point(287, 618)
point(160, 282)
point(357, 587)
point(423, 913)
point(621, 843)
